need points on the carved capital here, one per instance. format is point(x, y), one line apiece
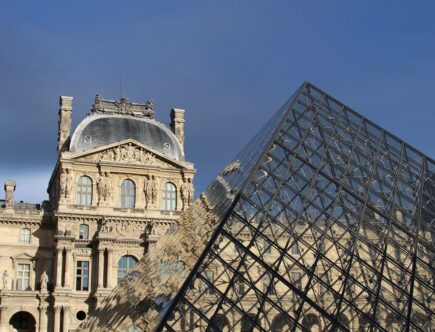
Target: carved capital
point(43, 309)
point(66, 308)
point(57, 308)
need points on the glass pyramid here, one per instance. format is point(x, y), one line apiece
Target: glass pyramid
point(327, 222)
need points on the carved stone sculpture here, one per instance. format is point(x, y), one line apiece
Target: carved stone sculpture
point(63, 180)
point(104, 187)
point(148, 191)
point(187, 191)
point(5, 280)
point(69, 182)
point(128, 154)
point(44, 281)
point(154, 189)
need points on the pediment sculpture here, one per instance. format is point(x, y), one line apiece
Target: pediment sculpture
point(129, 154)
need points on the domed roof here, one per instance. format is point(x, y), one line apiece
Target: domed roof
point(98, 130)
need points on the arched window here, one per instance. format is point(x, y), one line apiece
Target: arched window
point(84, 190)
point(125, 264)
point(128, 194)
point(169, 197)
point(84, 232)
point(25, 235)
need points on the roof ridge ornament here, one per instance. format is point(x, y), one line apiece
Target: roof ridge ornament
point(123, 107)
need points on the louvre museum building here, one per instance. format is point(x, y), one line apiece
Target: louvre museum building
point(323, 222)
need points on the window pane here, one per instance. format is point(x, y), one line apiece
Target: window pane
point(169, 197)
point(125, 264)
point(23, 276)
point(128, 194)
point(82, 276)
point(84, 190)
point(25, 235)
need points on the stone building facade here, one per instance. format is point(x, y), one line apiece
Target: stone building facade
point(120, 181)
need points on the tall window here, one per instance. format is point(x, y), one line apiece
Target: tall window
point(25, 235)
point(169, 197)
point(84, 190)
point(128, 194)
point(84, 232)
point(125, 264)
point(23, 276)
point(82, 276)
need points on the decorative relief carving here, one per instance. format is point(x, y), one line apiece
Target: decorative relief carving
point(124, 228)
point(128, 154)
point(123, 106)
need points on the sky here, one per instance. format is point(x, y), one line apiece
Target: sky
point(230, 64)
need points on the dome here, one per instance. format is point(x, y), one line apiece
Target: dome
point(99, 130)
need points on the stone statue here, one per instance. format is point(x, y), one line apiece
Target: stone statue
point(69, 182)
point(104, 187)
point(154, 189)
point(5, 280)
point(148, 191)
point(44, 281)
point(184, 191)
point(63, 181)
point(187, 191)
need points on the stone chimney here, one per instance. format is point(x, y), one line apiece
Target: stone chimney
point(10, 186)
point(177, 124)
point(65, 115)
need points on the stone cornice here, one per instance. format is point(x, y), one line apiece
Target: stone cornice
point(64, 216)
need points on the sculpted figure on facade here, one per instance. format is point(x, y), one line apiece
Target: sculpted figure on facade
point(148, 191)
point(5, 280)
point(129, 154)
point(187, 191)
point(154, 189)
point(104, 187)
point(44, 281)
point(63, 180)
point(69, 182)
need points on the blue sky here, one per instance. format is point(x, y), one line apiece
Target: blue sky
point(230, 64)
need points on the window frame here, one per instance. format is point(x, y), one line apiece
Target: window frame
point(128, 194)
point(83, 226)
point(80, 277)
point(169, 196)
point(28, 237)
point(84, 191)
point(125, 270)
point(21, 278)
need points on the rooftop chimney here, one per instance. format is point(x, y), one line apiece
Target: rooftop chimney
point(65, 115)
point(10, 186)
point(177, 124)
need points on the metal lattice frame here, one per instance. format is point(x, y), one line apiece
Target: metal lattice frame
point(347, 214)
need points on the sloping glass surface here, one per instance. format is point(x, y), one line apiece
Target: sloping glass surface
point(331, 228)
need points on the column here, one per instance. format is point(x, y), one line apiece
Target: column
point(56, 318)
point(109, 268)
point(42, 318)
point(100, 267)
point(59, 268)
point(3, 323)
point(66, 314)
point(67, 268)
